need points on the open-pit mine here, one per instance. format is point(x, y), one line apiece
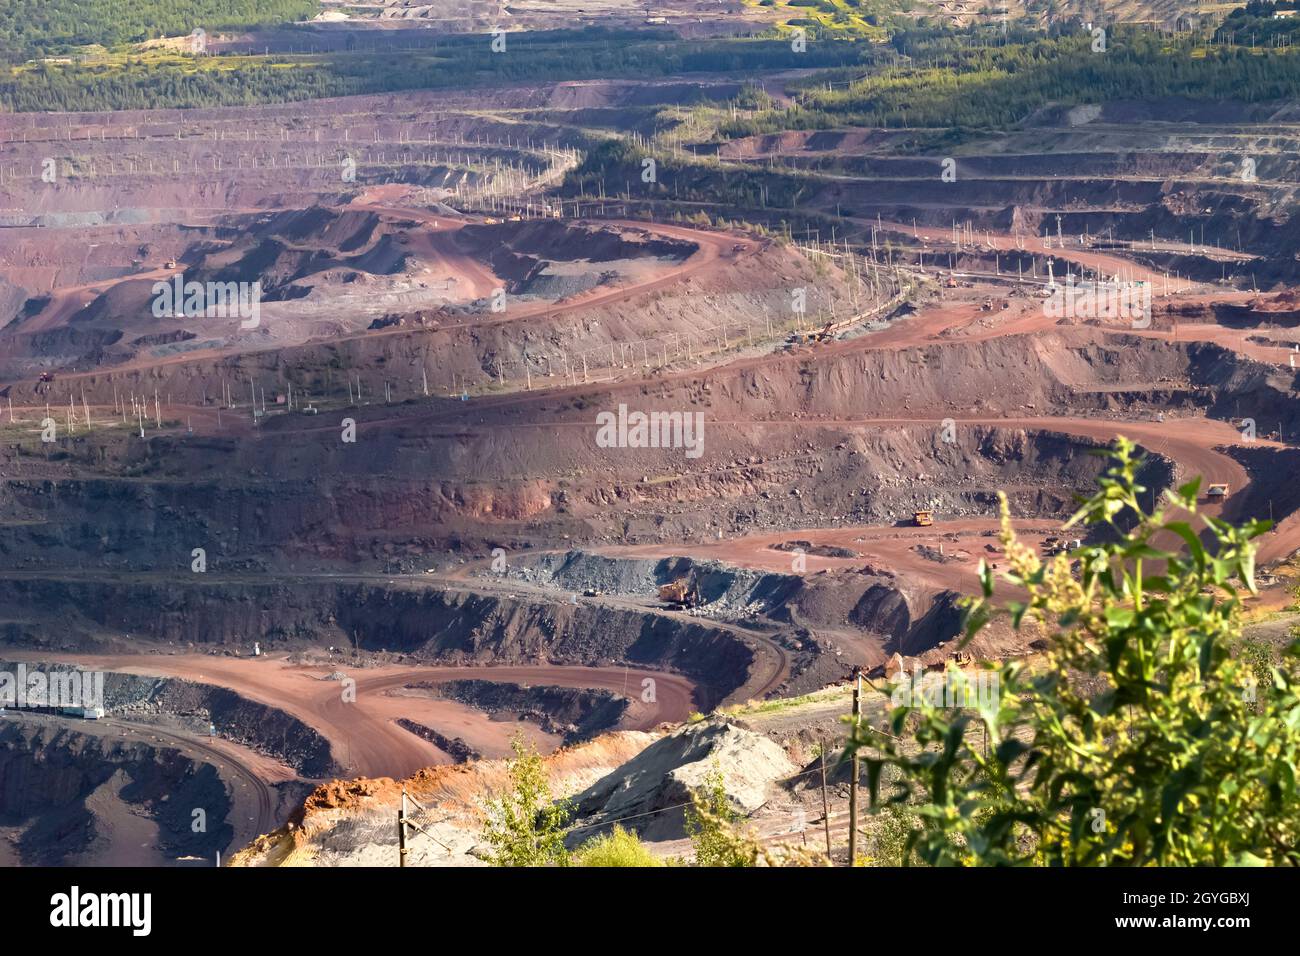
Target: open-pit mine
point(364, 439)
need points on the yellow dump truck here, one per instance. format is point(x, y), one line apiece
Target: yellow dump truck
point(923, 519)
point(680, 593)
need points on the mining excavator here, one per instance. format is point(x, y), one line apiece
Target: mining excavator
point(810, 337)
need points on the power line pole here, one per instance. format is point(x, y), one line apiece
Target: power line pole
point(826, 804)
point(401, 831)
point(853, 780)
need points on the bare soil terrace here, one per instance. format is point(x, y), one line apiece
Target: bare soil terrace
point(439, 336)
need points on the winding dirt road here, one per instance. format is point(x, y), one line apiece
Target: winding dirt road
point(358, 720)
point(253, 802)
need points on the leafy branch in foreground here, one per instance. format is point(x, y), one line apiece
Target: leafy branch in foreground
point(1138, 738)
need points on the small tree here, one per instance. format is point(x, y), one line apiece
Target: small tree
point(715, 832)
point(525, 827)
point(1138, 739)
point(711, 825)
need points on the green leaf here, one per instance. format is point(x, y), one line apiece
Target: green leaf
point(1191, 490)
point(1009, 750)
point(1184, 531)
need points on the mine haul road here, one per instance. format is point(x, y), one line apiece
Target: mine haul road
point(363, 735)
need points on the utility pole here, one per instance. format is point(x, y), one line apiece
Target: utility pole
point(401, 831)
point(826, 804)
point(853, 780)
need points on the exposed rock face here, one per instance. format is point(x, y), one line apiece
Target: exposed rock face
point(1282, 309)
point(453, 627)
point(255, 725)
point(575, 713)
point(663, 776)
point(69, 797)
point(265, 729)
point(454, 747)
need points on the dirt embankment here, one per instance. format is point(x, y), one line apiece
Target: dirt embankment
point(652, 788)
point(256, 726)
point(575, 713)
point(863, 473)
point(414, 480)
point(74, 798)
point(1238, 387)
point(1281, 310)
point(330, 496)
point(553, 240)
point(428, 625)
point(454, 747)
point(1274, 492)
point(201, 708)
point(584, 301)
point(1119, 177)
point(351, 822)
point(826, 622)
point(721, 591)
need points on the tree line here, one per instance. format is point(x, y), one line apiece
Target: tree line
point(239, 80)
point(48, 27)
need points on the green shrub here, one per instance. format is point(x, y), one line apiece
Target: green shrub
point(617, 848)
point(1139, 740)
